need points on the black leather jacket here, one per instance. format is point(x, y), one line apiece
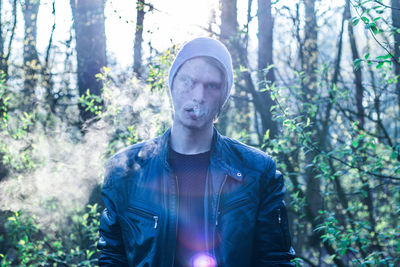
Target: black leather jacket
point(244, 209)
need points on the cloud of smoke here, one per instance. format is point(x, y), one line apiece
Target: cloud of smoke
point(70, 165)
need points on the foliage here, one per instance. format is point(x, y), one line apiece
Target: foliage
point(359, 175)
point(91, 103)
point(344, 163)
point(29, 240)
point(30, 244)
point(158, 70)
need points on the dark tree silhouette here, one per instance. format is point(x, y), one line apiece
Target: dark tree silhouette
point(32, 67)
point(90, 47)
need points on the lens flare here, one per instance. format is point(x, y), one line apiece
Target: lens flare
point(203, 260)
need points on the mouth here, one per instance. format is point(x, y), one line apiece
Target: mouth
point(195, 112)
point(191, 113)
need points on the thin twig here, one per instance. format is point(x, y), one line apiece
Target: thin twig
point(373, 35)
point(382, 4)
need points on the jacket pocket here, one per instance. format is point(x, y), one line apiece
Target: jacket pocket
point(235, 204)
point(140, 227)
point(149, 215)
point(232, 205)
point(141, 224)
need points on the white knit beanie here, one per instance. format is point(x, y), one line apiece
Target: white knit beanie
point(203, 46)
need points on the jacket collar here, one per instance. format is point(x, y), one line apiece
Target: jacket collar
point(218, 155)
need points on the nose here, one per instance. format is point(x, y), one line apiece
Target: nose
point(198, 92)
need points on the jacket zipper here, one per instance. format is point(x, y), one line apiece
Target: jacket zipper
point(155, 221)
point(283, 232)
point(218, 200)
point(177, 217)
point(217, 212)
point(279, 218)
point(145, 213)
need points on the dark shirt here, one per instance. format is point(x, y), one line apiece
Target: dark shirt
point(191, 172)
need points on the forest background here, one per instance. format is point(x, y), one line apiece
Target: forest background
point(316, 86)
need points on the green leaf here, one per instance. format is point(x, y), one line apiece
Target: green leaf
point(365, 19)
point(287, 122)
point(266, 136)
point(243, 69)
point(355, 21)
point(355, 143)
point(380, 64)
point(366, 56)
point(388, 56)
point(357, 63)
point(374, 29)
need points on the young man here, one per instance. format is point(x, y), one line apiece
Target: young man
point(192, 197)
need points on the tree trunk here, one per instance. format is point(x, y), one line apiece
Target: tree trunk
point(10, 41)
point(2, 40)
point(356, 71)
point(90, 47)
point(4, 54)
point(327, 119)
point(396, 24)
point(244, 83)
point(228, 32)
point(4, 64)
point(309, 89)
point(229, 24)
point(137, 48)
point(32, 66)
point(369, 199)
point(310, 60)
point(265, 59)
point(47, 76)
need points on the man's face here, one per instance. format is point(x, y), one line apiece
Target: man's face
point(197, 92)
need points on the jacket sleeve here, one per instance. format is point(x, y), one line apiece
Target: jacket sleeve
point(110, 243)
point(272, 243)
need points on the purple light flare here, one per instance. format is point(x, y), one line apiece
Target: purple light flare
point(203, 260)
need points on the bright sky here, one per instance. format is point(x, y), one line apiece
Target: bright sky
point(176, 20)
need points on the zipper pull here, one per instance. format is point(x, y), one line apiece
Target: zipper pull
point(155, 221)
point(216, 220)
point(279, 216)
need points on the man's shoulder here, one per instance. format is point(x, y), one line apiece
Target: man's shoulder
point(131, 158)
point(250, 157)
point(136, 152)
